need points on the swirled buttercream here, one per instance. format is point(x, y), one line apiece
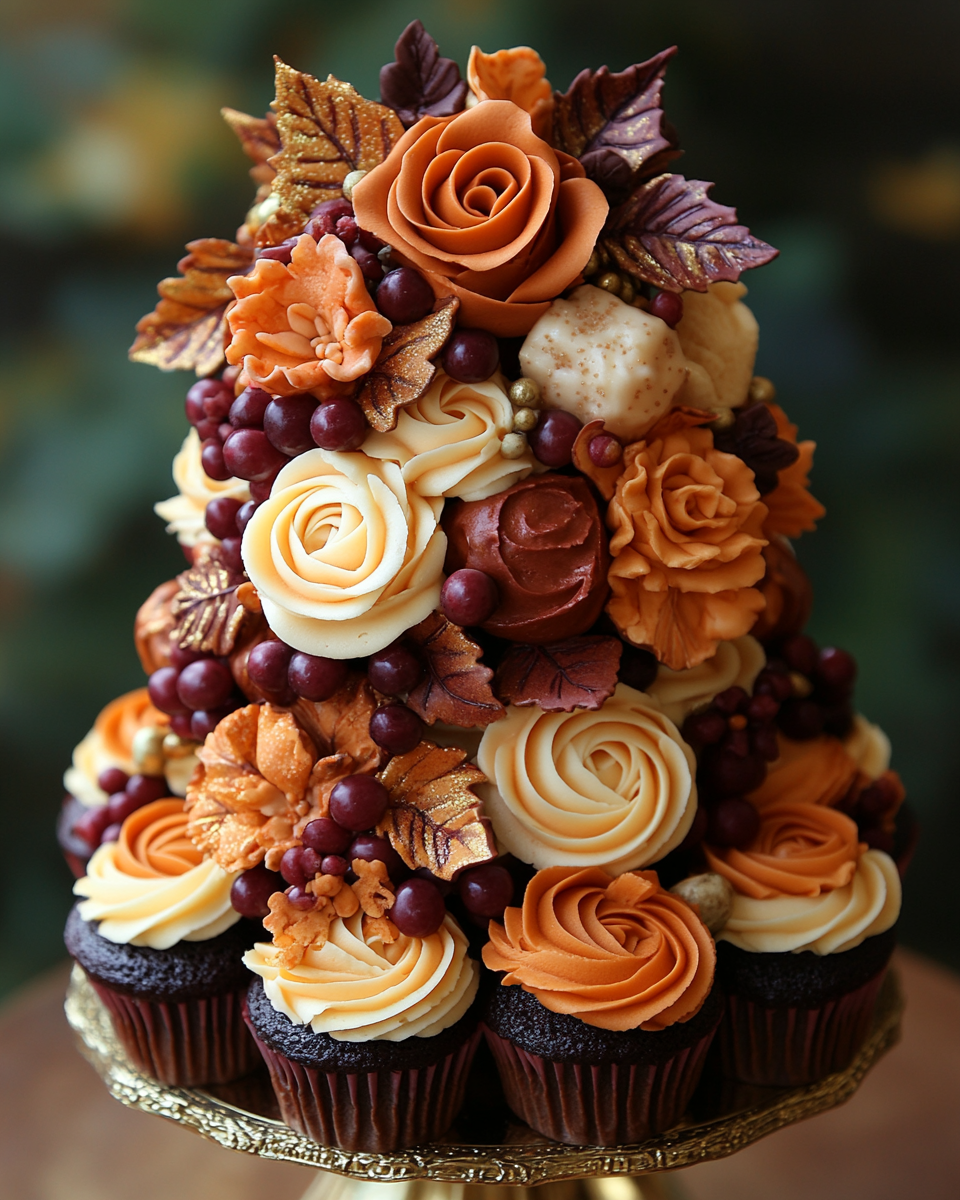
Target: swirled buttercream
point(830, 923)
point(613, 787)
point(110, 744)
point(735, 664)
point(868, 746)
point(448, 442)
point(358, 989)
point(184, 512)
point(617, 953)
point(817, 771)
point(152, 887)
point(344, 556)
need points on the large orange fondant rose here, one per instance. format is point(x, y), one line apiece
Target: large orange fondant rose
point(791, 510)
point(307, 327)
point(488, 211)
point(687, 545)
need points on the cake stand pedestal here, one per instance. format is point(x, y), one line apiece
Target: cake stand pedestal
point(488, 1155)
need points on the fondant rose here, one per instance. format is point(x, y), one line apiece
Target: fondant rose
point(611, 787)
point(307, 327)
point(488, 211)
point(686, 545)
point(543, 543)
point(344, 556)
point(617, 953)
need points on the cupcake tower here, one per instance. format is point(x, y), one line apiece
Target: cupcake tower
point(483, 708)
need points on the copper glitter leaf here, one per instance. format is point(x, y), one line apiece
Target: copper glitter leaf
point(420, 83)
point(185, 332)
point(434, 819)
point(580, 672)
point(259, 139)
point(456, 686)
point(404, 370)
point(206, 610)
point(614, 124)
point(671, 234)
point(327, 130)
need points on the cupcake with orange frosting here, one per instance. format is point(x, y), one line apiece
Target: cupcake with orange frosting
point(806, 945)
point(162, 945)
point(606, 1007)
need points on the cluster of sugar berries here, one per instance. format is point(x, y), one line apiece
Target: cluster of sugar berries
point(126, 793)
point(821, 694)
point(196, 691)
point(331, 844)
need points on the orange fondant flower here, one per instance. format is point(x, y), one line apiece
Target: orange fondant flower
point(791, 510)
point(687, 544)
point(518, 75)
point(307, 327)
point(488, 211)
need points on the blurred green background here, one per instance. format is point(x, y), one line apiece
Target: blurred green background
point(831, 124)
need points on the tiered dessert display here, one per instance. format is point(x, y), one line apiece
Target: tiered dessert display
point(481, 733)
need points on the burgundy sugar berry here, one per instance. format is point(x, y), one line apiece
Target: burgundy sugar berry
point(205, 684)
point(705, 728)
point(762, 707)
point(224, 429)
point(324, 218)
point(486, 890)
point(113, 780)
point(208, 398)
point(327, 837)
point(396, 728)
point(800, 719)
point(551, 440)
point(245, 513)
point(252, 890)
point(282, 252)
point(230, 554)
point(205, 720)
point(212, 460)
point(418, 909)
point(726, 774)
point(764, 743)
point(207, 428)
point(260, 489)
point(773, 683)
point(286, 422)
point(338, 425)
point(267, 665)
point(247, 410)
point(248, 454)
point(120, 806)
point(220, 516)
point(836, 668)
point(394, 670)
point(144, 789)
point(800, 653)
point(181, 725)
point(301, 899)
point(347, 230)
point(91, 825)
point(111, 833)
point(181, 657)
point(371, 848)
point(290, 867)
point(730, 700)
point(370, 266)
point(162, 687)
point(309, 862)
point(471, 355)
point(314, 677)
point(668, 307)
point(468, 597)
point(638, 668)
point(733, 822)
point(358, 802)
point(333, 864)
point(404, 296)
point(605, 450)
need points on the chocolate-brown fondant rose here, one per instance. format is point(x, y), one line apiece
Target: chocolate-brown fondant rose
point(488, 211)
point(543, 543)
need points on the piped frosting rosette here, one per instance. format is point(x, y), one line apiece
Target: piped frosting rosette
point(152, 887)
point(110, 744)
point(611, 787)
point(616, 953)
point(735, 664)
point(806, 883)
point(358, 988)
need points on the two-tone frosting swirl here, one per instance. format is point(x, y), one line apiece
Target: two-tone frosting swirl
point(110, 744)
point(358, 989)
point(611, 787)
point(152, 887)
point(617, 953)
point(735, 664)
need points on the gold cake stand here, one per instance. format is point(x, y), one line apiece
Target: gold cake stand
point(488, 1150)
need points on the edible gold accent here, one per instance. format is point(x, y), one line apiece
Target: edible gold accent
point(762, 390)
point(525, 419)
point(514, 445)
point(524, 393)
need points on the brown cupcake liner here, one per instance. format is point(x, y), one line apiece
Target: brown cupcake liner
point(197, 1041)
point(607, 1104)
point(375, 1111)
point(787, 1047)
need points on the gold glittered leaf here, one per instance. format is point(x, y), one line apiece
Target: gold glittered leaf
point(404, 369)
point(185, 332)
point(434, 818)
point(207, 612)
point(327, 130)
point(259, 139)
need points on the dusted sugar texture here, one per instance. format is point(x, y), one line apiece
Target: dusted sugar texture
point(356, 987)
point(719, 336)
point(618, 953)
point(110, 744)
point(611, 787)
point(345, 557)
point(152, 887)
point(307, 327)
point(601, 359)
point(542, 542)
point(735, 664)
point(447, 443)
point(488, 211)
point(195, 489)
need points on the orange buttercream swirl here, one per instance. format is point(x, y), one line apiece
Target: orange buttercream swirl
point(153, 842)
point(799, 850)
point(817, 771)
point(122, 718)
point(616, 953)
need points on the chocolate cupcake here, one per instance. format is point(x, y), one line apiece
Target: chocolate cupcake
point(804, 951)
point(607, 1005)
point(163, 946)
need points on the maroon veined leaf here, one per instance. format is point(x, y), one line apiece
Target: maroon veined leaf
point(614, 124)
point(456, 685)
point(259, 139)
point(420, 83)
point(671, 234)
point(580, 672)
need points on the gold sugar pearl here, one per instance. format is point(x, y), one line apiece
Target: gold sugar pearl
point(762, 390)
point(175, 746)
point(524, 393)
point(525, 419)
point(723, 420)
point(350, 182)
point(147, 750)
point(514, 445)
point(711, 893)
point(627, 290)
point(610, 281)
point(593, 264)
point(802, 686)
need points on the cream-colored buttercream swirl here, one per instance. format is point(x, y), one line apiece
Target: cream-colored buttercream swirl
point(735, 664)
point(110, 744)
point(152, 888)
point(612, 787)
point(448, 442)
point(359, 990)
point(344, 556)
point(830, 923)
point(868, 746)
point(184, 512)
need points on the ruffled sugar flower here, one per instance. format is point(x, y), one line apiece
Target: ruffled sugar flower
point(687, 544)
point(791, 509)
point(307, 327)
point(488, 210)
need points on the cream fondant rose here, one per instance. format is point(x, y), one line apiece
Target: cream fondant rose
point(344, 556)
point(448, 441)
point(719, 337)
point(735, 664)
point(184, 512)
point(612, 788)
